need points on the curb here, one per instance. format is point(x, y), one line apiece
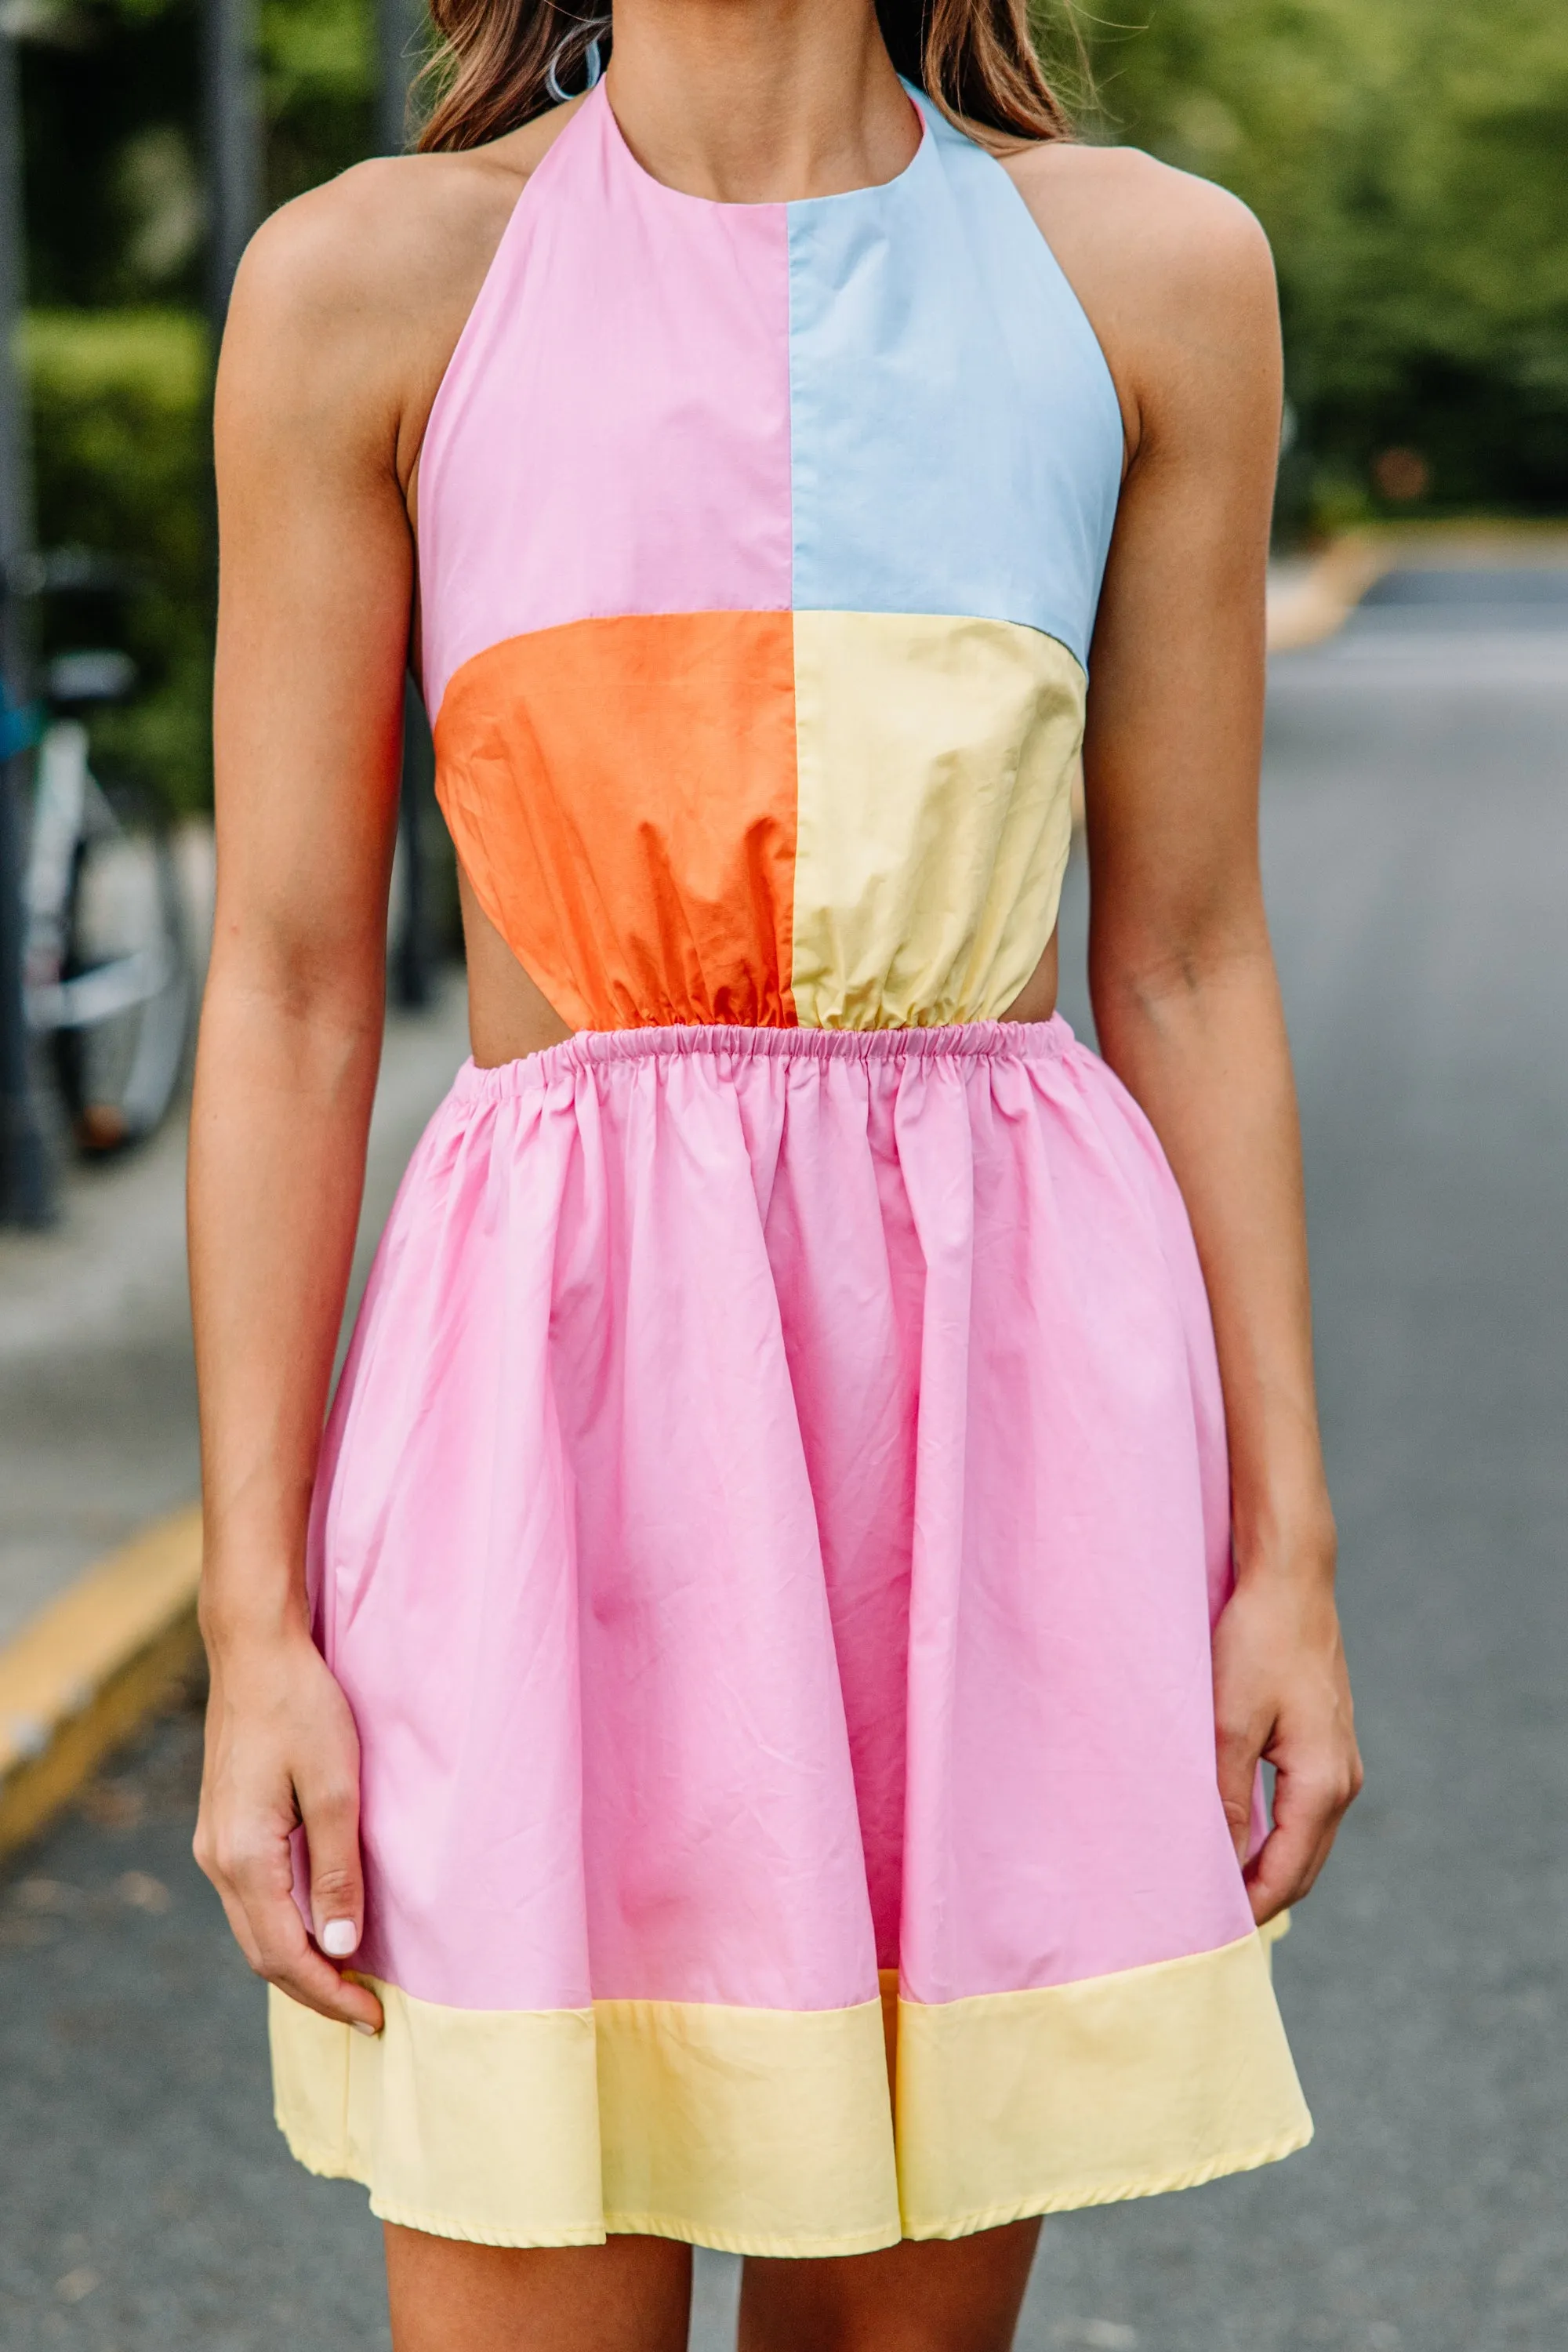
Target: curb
point(1314, 605)
point(79, 1678)
point(1318, 605)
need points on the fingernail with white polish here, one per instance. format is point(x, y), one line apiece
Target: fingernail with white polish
point(339, 1938)
point(360, 2027)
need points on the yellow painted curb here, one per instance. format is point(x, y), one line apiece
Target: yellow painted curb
point(81, 1676)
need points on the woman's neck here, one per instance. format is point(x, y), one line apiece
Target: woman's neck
point(758, 101)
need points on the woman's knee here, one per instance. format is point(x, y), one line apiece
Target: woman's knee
point(630, 2295)
point(962, 2294)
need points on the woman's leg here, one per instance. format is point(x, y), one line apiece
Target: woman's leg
point(959, 2294)
point(630, 2295)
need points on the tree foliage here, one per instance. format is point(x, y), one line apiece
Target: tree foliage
point(1409, 160)
point(117, 352)
point(121, 398)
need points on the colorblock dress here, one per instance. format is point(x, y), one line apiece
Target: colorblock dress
point(774, 1509)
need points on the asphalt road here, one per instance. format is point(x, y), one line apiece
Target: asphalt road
point(1417, 821)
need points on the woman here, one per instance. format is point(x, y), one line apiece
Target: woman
point(765, 1578)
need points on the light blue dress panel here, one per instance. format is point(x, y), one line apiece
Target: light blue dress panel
point(955, 438)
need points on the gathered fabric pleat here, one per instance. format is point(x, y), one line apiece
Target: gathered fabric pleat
point(772, 1515)
point(769, 1531)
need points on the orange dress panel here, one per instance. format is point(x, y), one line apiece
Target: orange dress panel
point(622, 794)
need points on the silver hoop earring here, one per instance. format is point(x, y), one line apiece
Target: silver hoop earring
point(592, 67)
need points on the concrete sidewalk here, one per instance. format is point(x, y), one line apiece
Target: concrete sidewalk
point(98, 1432)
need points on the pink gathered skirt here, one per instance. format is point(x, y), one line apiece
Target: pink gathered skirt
point(769, 1532)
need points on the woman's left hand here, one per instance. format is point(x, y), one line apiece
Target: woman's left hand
point(1282, 1695)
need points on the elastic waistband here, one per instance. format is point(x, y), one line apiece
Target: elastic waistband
point(1023, 1041)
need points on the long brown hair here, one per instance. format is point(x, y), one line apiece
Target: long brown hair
point(498, 63)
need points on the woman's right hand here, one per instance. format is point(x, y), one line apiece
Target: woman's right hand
point(282, 1753)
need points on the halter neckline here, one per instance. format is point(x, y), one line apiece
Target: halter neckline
point(599, 96)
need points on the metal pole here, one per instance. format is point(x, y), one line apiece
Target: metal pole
point(398, 27)
point(233, 158)
point(414, 949)
point(26, 1162)
point(235, 155)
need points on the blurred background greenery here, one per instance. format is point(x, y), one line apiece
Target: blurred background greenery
point(1409, 159)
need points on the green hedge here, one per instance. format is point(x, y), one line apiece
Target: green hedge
point(120, 410)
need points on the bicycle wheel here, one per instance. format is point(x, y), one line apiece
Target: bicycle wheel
point(122, 1008)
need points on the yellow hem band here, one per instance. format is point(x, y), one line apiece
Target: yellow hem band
point(772, 2131)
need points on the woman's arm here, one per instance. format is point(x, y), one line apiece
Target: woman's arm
point(313, 632)
point(1185, 998)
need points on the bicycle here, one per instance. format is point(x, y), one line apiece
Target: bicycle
point(108, 982)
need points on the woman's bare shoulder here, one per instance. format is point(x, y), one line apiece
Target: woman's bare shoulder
point(354, 294)
point(1133, 220)
point(1161, 261)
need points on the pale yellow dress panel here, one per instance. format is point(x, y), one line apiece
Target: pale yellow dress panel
point(776, 2131)
point(936, 760)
